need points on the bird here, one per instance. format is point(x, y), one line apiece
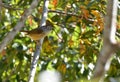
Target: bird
point(40, 32)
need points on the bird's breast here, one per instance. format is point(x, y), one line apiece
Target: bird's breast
point(37, 36)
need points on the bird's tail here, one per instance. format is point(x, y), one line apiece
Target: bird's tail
point(24, 32)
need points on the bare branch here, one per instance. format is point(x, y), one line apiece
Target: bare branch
point(108, 41)
point(18, 26)
point(8, 6)
point(63, 12)
point(39, 45)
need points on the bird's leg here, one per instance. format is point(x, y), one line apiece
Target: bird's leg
point(37, 42)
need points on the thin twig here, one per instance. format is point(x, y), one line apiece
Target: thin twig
point(63, 12)
point(58, 36)
point(8, 6)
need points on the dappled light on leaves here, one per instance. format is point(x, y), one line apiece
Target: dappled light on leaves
point(71, 48)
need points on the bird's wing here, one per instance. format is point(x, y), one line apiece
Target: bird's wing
point(36, 31)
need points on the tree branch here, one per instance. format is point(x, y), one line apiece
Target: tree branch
point(108, 48)
point(18, 26)
point(39, 45)
point(8, 6)
point(63, 12)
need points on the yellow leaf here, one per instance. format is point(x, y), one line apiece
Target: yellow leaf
point(82, 47)
point(86, 41)
point(40, 9)
point(85, 13)
point(62, 68)
point(46, 47)
point(71, 42)
point(72, 19)
point(95, 13)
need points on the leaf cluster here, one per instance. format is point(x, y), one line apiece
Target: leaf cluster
point(71, 48)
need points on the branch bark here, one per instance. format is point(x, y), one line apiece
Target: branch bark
point(63, 12)
point(10, 36)
point(109, 42)
point(39, 45)
point(8, 6)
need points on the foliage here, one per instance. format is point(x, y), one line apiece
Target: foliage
point(71, 48)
